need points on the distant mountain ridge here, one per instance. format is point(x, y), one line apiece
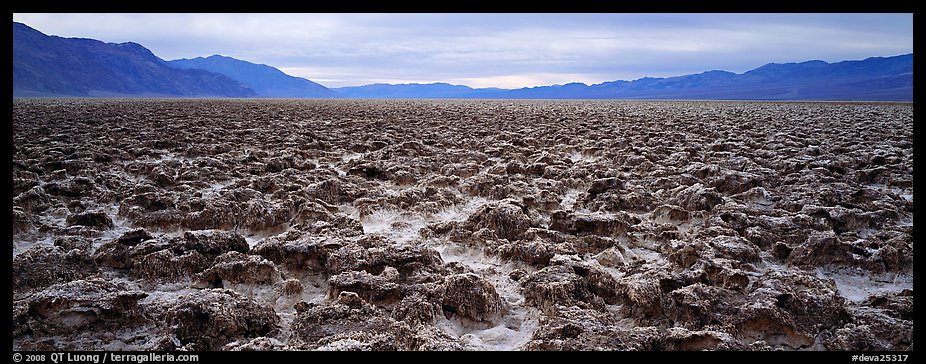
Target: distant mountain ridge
point(266, 81)
point(54, 66)
point(874, 78)
point(384, 90)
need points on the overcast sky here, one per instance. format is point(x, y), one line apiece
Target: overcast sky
point(496, 50)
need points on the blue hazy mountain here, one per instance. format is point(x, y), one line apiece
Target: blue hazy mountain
point(875, 78)
point(54, 66)
point(407, 90)
point(435, 90)
point(266, 81)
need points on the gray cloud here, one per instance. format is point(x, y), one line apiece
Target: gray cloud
point(504, 50)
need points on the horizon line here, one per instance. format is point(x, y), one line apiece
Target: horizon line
point(424, 83)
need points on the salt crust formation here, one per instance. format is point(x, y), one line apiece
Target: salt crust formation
point(461, 225)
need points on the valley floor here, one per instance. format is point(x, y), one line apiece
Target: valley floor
point(461, 225)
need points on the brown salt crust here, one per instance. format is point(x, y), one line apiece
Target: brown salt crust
point(621, 225)
point(236, 267)
point(471, 297)
point(82, 305)
point(41, 267)
point(212, 318)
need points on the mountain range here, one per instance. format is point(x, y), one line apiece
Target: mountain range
point(875, 78)
point(266, 81)
point(52, 66)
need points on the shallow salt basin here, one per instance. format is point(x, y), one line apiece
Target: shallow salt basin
point(519, 322)
point(49, 218)
point(393, 224)
point(403, 227)
point(254, 238)
point(516, 327)
point(20, 246)
point(857, 285)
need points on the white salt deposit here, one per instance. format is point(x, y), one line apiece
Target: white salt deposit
point(519, 322)
point(403, 226)
point(569, 199)
point(579, 157)
point(393, 224)
point(856, 285)
point(21, 245)
point(214, 189)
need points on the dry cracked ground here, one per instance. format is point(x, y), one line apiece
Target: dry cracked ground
point(461, 225)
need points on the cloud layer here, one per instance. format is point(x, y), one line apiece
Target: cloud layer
point(496, 50)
